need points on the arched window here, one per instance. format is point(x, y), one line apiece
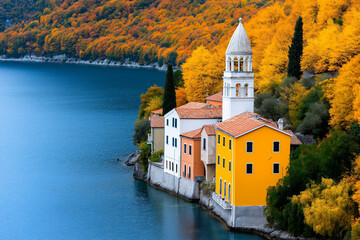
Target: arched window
point(189, 172)
point(184, 173)
point(246, 89)
point(229, 193)
point(238, 86)
point(236, 64)
point(241, 64)
point(247, 64)
point(225, 190)
point(220, 190)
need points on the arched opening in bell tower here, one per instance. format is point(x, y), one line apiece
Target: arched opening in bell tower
point(241, 64)
point(236, 64)
point(238, 86)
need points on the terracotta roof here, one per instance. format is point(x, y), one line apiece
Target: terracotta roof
point(209, 129)
point(157, 122)
point(192, 134)
point(216, 97)
point(243, 123)
point(294, 140)
point(203, 113)
point(159, 111)
point(193, 105)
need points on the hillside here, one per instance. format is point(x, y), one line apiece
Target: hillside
point(143, 30)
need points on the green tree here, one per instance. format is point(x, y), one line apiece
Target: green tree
point(141, 129)
point(169, 95)
point(148, 100)
point(296, 51)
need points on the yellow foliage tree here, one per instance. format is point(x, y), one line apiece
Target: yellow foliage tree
point(181, 97)
point(154, 104)
point(202, 74)
point(342, 94)
point(293, 95)
point(327, 207)
point(356, 105)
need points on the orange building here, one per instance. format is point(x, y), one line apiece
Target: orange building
point(215, 100)
point(191, 164)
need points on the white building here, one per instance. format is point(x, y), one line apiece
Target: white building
point(181, 120)
point(238, 86)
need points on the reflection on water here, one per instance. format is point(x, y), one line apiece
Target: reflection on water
point(62, 127)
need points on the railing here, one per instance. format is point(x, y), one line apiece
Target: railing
point(223, 203)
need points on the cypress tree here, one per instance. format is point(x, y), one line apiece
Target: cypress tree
point(296, 51)
point(169, 94)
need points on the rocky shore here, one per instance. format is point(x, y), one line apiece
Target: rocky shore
point(99, 62)
point(252, 219)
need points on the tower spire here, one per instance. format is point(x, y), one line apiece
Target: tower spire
point(238, 87)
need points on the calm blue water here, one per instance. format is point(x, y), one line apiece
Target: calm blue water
point(62, 127)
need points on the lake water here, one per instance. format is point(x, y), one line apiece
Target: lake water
point(62, 127)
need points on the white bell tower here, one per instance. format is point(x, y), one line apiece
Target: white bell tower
point(238, 88)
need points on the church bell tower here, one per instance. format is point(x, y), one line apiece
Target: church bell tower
point(238, 87)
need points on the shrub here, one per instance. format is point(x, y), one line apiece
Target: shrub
point(145, 152)
point(156, 157)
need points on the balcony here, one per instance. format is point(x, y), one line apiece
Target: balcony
point(223, 203)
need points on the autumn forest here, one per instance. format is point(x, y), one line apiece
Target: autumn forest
point(324, 178)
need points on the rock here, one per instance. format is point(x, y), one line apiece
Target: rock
point(139, 172)
point(131, 159)
point(305, 139)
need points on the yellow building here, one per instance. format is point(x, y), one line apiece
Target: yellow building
point(252, 153)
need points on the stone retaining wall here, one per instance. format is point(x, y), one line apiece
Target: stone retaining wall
point(179, 186)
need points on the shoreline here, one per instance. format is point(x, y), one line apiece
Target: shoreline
point(207, 204)
point(99, 62)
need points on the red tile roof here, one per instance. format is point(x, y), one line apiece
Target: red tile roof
point(159, 111)
point(210, 129)
point(192, 134)
point(216, 97)
point(204, 113)
point(157, 122)
point(193, 105)
point(244, 123)
point(294, 140)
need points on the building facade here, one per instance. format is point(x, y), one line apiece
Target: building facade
point(252, 154)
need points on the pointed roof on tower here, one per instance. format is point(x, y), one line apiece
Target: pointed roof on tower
point(239, 42)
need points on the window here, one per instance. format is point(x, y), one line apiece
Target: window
point(184, 147)
point(190, 150)
point(229, 192)
point(167, 122)
point(167, 139)
point(175, 122)
point(229, 166)
point(176, 167)
point(166, 164)
point(189, 172)
point(224, 141)
point(223, 162)
point(220, 187)
point(229, 144)
point(218, 159)
point(225, 190)
point(276, 168)
point(175, 142)
point(172, 166)
point(249, 147)
point(204, 144)
point(184, 173)
point(276, 146)
point(218, 138)
point(249, 168)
